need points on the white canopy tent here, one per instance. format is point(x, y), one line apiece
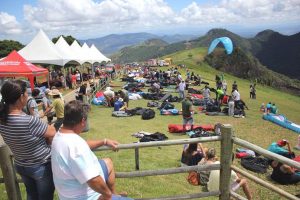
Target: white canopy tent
point(42, 50)
point(98, 54)
point(65, 49)
point(77, 50)
point(87, 54)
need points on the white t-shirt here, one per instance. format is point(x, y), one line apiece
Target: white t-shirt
point(181, 86)
point(214, 179)
point(236, 95)
point(73, 164)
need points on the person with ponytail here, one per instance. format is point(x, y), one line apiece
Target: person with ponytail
point(29, 139)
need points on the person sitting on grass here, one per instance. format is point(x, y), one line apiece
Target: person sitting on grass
point(235, 181)
point(284, 174)
point(77, 172)
point(192, 154)
point(278, 148)
point(274, 109)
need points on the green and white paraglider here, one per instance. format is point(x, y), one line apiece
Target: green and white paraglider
point(226, 41)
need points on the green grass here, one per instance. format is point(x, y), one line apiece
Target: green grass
point(252, 128)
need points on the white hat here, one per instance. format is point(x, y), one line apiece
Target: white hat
point(54, 92)
point(108, 88)
point(120, 99)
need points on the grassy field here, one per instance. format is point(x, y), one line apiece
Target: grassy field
point(252, 128)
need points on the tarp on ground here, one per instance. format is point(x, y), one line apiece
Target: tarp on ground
point(14, 65)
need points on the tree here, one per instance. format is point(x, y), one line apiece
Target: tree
point(7, 46)
point(69, 39)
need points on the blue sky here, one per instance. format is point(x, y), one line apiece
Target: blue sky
point(83, 19)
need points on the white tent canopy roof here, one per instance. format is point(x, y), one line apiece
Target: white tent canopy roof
point(88, 57)
point(99, 54)
point(77, 50)
point(66, 50)
point(42, 50)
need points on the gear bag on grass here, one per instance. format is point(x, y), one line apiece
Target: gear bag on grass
point(255, 164)
point(154, 137)
point(148, 114)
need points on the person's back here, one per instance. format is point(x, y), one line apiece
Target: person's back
point(186, 108)
point(118, 104)
point(274, 109)
point(70, 177)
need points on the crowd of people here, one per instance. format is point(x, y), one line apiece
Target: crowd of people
point(54, 156)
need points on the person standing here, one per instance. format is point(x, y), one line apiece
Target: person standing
point(58, 105)
point(27, 137)
point(230, 106)
point(187, 113)
point(181, 88)
point(206, 95)
point(82, 94)
point(31, 105)
point(234, 86)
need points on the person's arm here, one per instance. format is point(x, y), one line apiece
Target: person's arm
point(98, 185)
point(287, 169)
point(48, 110)
point(98, 143)
point(50, 133)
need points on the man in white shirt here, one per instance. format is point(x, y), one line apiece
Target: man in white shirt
point(236, 95)
point(181, 88)
point(77, 173)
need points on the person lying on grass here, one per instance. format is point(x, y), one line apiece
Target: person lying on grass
point(77, 172)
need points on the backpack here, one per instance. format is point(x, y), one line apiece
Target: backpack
point(193, 178)
point(166, 106)
point(148, 114)
point(255, 164)
point(153, 104)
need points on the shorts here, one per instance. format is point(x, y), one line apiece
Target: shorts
point(234, 186)
point(188, 120)
point(104, 169)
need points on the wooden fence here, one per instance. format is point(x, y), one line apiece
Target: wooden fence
point(227, 140)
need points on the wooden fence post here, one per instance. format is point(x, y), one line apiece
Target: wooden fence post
point(9, 175)
point(137, 158)
point(226, 160)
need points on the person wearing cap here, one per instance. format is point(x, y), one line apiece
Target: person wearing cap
point(77, 172)
point(58, 105)
point(278, 148)
point(235, 181)
point(187, 112)
point(109, 96)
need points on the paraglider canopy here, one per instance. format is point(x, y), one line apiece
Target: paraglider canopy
point(226, 41)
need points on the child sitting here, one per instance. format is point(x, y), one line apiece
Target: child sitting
point(262, 108)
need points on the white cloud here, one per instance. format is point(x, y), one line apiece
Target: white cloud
point(92, 18)
point(9, 24)
point(108, 14)
point(243, 12)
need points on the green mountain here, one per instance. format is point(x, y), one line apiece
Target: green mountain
point(244, 65)
point(153, 48)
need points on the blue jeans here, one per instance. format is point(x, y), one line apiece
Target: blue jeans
point(38, 181)
point(105, 172)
